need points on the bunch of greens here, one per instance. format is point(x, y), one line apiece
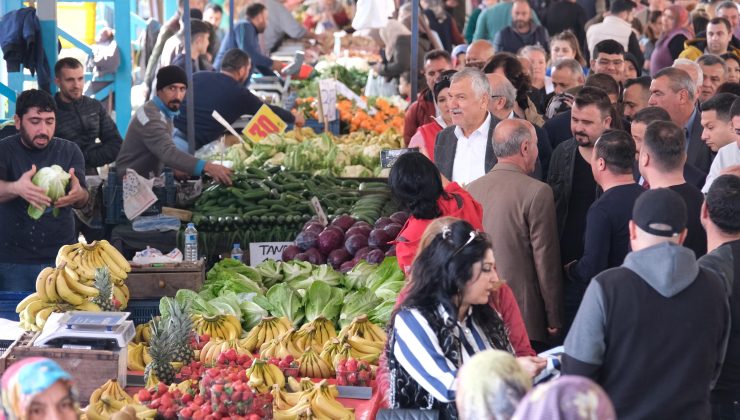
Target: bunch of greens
point(53, 180)
point(233, 276)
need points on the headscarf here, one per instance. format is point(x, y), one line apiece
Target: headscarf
point(491, 384)
point(25, 379)
point(566, 398)
point(390, 33)
point(681, 15)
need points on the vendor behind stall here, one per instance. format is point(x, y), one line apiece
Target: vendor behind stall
point(37, 388)
point(27, 245)
point(149, 147)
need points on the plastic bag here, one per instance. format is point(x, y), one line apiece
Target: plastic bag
point(378, 86)
point(371, 14)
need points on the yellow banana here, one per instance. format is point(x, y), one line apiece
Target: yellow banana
point(26, 301)
point(88, 306)
point(95, 411)
point(118, 293)
point(326, 405)
point(51, 287)
point(115, 255)
point(113, 267)
point(145, 355)
point(43, 315)
point(65, 292)
point(73, 281)
point(41, 282)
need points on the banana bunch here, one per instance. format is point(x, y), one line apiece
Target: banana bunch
point(138, 356)
point(282, 346)
point(316, 333)
point(143, 333)
point(269, 328)
point(85, 258)
point(226, 327)
point(310, 364)
point(364, 349)
point(362, 327)
point(213, 348)
point(135, 411)
point(107, 400)
point(293, 385)
point(318, 403)
point(262, 376)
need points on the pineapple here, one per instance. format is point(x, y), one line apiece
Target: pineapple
point(181, 326)
point(162, 352)
point(105, 286)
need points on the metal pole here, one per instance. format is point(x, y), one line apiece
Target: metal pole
point(231, 15)
point(414, 48)
point(189, 99)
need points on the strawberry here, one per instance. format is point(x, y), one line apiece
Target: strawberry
point(364, 375)
point(198, 415)
point(198, 400)
point(351, 365)
point(242, 359)
point(161, 389)
point(186, 412)
point(289, 358)
point(144, 395)
point(352, 378)
point(231, 355)
point(253, 417)
point(187, 398)
point(170, 413)
point(154, 404)
point(342, 380)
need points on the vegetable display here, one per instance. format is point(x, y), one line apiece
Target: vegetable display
point(53, 180)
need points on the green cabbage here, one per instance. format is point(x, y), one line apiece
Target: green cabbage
point(296, 270)
point(53, 180)
point(357, 278)
point(323, 300)
point(281, 301)
point(232, 275)
point(361, 302)
point(252, 313)
point(271, 272)
point(324, 273)
point(381, 314)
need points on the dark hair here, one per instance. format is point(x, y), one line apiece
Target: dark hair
point(730, 56)
point(416, 182)
point(443, 82)
point(590, 95)
point(254, 10)
point(650, 114)
point(198, 27)
point(604, 82)
point(723, 203)
point(234, 59)
point(721, 103)
point(735, 109)
point(618, 149)
point(726, 5)
point(437, 54)
point(215, 7)
point(607, 46)
point(653, 17)
point(699, 22)
point(724, 21)
point(569, 37)
point(643, 81)
point(619, 6)
point(196, 14)
point(514, 71)
point(666, 143)
point(34, 98)
point(66, 63)
point(440, 273)
point(712, 60)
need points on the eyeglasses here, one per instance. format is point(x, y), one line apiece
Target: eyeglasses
point(447, 232)
point(496, 96)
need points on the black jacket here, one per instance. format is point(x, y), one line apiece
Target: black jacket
point(82, 122)
point(699, 154)
point(20, 39)
point(560, 178)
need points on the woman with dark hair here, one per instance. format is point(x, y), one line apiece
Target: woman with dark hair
point(426, 135)
point(416, 183)
point(444, 320)
point(733, 67)
point(509, 66)
point(675, 22)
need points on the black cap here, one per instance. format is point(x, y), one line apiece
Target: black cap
point(170, 74)
point(660, 212)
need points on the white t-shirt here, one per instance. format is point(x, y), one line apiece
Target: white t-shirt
point(728, 155)
point(470, 155)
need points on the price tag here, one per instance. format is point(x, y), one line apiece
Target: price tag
point(388, 156)
point(319, 211)
point(343, 90)
point(264, 122)
point(328, 97)
point(260, 251)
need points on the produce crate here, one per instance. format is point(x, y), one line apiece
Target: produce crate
point(157, 280)
point(8, 302)
point(89, 368)
point(318, 127)
point(113, 197)
point(142, 310)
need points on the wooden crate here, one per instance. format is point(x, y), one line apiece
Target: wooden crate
point(158, 280)
point(89, 368)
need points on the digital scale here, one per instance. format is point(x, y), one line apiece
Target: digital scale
point(94, 330)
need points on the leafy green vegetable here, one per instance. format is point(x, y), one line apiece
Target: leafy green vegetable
point(53, 180)
point(234, 276)
point(389, 290)
point(387, 271)
point(381, 314)
point(271, 272)
point(357, 277)
point(281, 301)
point(197, 304)
point(296, 270)
point(324, 273)
point(358, 303)
point(323, 300)
point(252, 313)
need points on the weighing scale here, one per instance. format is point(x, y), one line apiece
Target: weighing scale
point(93, 330)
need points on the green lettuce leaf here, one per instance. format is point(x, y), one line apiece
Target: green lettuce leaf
point(360, 302)
point(281, 301)
point(357, 277)
point(53, 180)
point(323, 300)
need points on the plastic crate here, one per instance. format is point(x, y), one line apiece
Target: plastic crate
point(113, 197)
point(318, 127)
point(8, 302)
point(142, 310)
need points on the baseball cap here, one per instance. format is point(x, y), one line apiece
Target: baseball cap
point(660, 212)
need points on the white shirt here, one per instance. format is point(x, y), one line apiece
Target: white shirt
point(470, 154)
point(728, 155)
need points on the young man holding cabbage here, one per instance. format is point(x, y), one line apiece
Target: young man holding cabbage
point(39, 186)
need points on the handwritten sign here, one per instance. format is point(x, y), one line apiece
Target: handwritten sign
point(343, 90)
point(260, 251)
point(264, 122)
point(328, 88)
point(319, 211)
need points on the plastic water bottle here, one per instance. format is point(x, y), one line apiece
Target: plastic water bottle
point(236, 252)
point(191, 243)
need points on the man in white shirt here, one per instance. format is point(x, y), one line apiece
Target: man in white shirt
point(728, 155)
point(463, 152)
point(616, 26)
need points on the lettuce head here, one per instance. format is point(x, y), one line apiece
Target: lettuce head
point(53, 180)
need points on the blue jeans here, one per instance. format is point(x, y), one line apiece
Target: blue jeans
point(726, 411)
point(20, 277)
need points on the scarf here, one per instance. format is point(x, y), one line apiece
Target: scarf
point(25, 379)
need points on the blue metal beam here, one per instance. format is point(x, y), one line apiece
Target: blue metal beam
point(122, 84)
point(7, 92)
point(74, 41)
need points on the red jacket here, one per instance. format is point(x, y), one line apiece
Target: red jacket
point(429, 132)
point(419, 113)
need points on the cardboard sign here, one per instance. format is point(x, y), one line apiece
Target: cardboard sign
point(388, 156)
point(343, 90)
point(264, 122)
point(260, 251)
point(319, 211)
point(328, 96)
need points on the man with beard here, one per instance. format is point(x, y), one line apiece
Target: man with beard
point(522, 31)
point(82, 120)
point(28, 245)
point(572, 180)
point(245, 36)
point(148, 145)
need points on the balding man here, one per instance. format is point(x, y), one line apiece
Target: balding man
point(523, 31)
point(673, 90)
point(478, 54)
point(519, 214)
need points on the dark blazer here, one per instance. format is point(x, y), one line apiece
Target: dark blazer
point(691, 174)
point(699, 154)
point(558, 128)
point(446, 147)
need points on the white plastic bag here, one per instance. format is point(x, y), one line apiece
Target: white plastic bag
point(371, 14)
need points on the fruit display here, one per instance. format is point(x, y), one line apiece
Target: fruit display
point(353, 372)
point(215, 347)
point(268, 329)
point(112, 398)
point(263, 375)
point(138, 356)
point(227, 327)
point(313, 366)
point(385, 116)
point(85, 258)
point(318, 402)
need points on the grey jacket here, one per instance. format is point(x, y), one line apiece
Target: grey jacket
point(446, 146)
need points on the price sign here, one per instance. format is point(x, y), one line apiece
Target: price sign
point(343, 90)
point(264, 122)
point(260, 251)
point(328, 97)
point(319, 211)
